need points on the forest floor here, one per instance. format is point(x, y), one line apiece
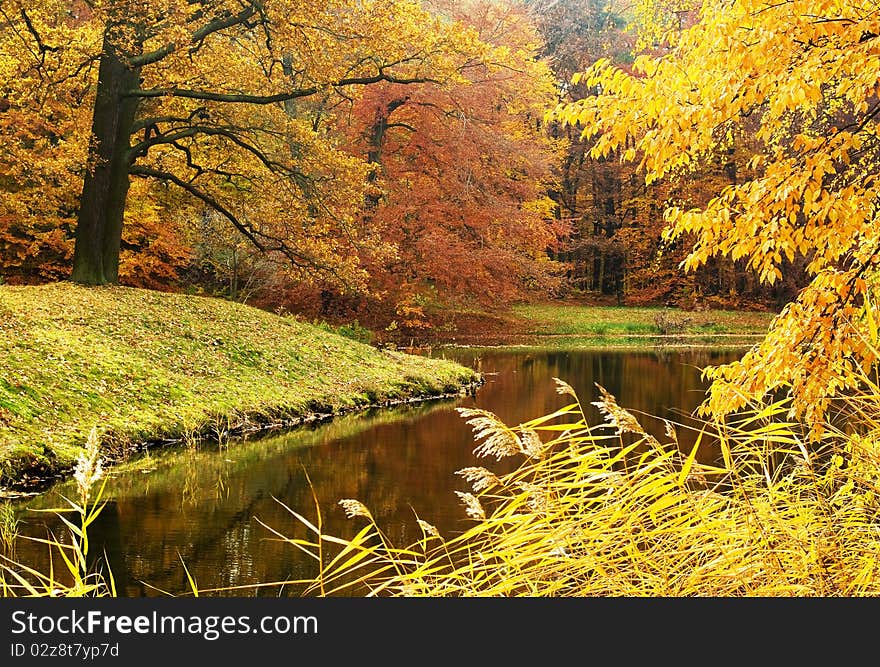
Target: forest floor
point(145, 367)
point(565, 324)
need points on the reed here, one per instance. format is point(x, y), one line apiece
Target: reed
point(78, 577)
point(8, 528)
point(609, 510)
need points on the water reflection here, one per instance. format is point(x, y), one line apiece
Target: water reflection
point(203, 505)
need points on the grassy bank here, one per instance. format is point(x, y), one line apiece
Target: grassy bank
point(563, 324)
point(142, 366)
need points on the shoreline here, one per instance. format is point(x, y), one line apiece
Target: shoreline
point(34, 482)
point(147, 368)
point(152, 369)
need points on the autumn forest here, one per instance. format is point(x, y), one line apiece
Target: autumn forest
point(381, 161)
point(198, 196)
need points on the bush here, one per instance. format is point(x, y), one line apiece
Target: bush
point(669, 322)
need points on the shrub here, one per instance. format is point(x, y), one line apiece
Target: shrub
point(669, 322)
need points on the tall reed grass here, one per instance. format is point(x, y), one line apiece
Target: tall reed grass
point(80, 577)
point(8, 528)
point(594, 510)
point(610, 510)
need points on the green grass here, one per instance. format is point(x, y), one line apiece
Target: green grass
point(142, 365)
point(603, 325)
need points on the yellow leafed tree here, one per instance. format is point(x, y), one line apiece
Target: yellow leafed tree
point(805, 78)
point(225, 100)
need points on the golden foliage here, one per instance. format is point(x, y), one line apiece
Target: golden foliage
point(597, 515)
point(804, 75)
point(236, 105)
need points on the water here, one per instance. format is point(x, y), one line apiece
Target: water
point(215, 508)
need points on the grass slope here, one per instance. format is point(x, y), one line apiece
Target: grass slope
point(141, 365)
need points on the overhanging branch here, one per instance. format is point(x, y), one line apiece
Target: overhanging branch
point(298, 259)
point(244, 98)
point(147, 172)
point(197, 38)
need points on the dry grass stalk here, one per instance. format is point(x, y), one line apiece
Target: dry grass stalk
point(595, 517)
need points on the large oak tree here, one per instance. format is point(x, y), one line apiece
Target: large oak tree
point(224, 99)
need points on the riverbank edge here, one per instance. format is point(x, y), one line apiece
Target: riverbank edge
point(634, 343)
point(37, 478)
point(555, 324)
point(58, 340)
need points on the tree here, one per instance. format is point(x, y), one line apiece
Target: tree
point(615, 247)
point(223, 99)
point(576, 33)
point(459, 179)
point(463, 171)
point(44, 128)
point(806, 73)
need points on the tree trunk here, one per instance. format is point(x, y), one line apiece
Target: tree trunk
point(377, 141)
point(102, 203)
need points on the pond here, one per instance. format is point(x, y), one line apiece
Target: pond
point(209, 506)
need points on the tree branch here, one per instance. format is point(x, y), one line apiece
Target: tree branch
point(402, 125)
point(275, 244)
point(171, 138)
point(243, 98)
point(147, 172)
point(31, 29)
point(198, 37)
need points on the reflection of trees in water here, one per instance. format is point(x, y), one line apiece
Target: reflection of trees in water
point(649, 382)
point(107, 554)
point(654, 385)
point(200, 504)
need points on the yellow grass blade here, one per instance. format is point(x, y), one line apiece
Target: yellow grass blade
point(869, 318)
point(689, 462)
point(192, 583)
